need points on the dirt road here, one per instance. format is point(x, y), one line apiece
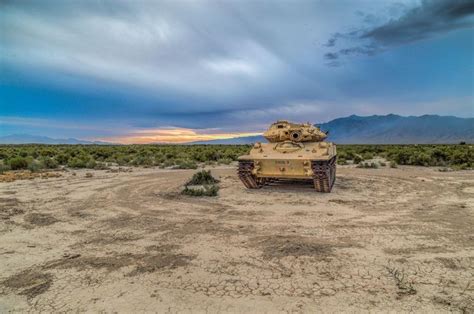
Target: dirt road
point(399, 239)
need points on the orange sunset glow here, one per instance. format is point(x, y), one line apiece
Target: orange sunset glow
point(177, 135)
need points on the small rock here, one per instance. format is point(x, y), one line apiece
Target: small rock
point(328, 292)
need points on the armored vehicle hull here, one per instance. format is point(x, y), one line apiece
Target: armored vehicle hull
point(289, 158)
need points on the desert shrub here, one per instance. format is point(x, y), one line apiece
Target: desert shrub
point(341, 161)
point(202, 177)
point(49, 163)
point(168, 163)
point(142, 161)
point(393, 164)
point(91, 164)
point(202, 183)
point(18, 163)
point(206, 190)
point(122, 160)
point(371, 165)
point(76, 162)
point(357, 159)
point(62, 158)
point(454, 156)
point(185, 164)
point(224, 161)
point(420, 159)
point(367, 155)
point(35, 166)
point(4, 168)
point(464, 166)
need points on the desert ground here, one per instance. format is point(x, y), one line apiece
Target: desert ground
point(126, 241)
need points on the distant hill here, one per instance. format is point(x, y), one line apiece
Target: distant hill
point(394, 129)
point(32, 139)
point(388, 129)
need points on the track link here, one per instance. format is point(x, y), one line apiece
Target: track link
point(324, 174)
point(247, 177)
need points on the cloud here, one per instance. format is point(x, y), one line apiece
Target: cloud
point(172, 49)
point(118, 66)
point(429, 19)
point(231, 66)
point(331, 56)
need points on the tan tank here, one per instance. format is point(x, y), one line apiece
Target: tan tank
point(295, 151)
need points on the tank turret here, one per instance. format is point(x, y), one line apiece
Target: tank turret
point(297, 151)
point(283, 130)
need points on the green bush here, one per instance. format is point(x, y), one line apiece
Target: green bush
point(18, 163)
point(341, 161)
point(203, 177)
point(357, 159)
point(188, 156)
point(34, 166)
point(49, 163)
point(142, 161)
point(62, 158)
point(371, 165)
point(4, 168)
point(91, 164)
point(185, 164)
point(367, 155)
point(224, 161)
point(76, 162)
point(207, 190)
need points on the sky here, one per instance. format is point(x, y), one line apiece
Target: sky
point(143, 71)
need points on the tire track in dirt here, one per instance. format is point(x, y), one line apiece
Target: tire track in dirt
point(368, 244)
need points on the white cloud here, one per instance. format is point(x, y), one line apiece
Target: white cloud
point(231, 66)
point(202, 64)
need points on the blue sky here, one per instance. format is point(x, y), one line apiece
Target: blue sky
point(146, 71)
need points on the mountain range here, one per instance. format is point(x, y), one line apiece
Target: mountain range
point(395, 129)
point(376, 129)
point(387, 129)
point(33, 139)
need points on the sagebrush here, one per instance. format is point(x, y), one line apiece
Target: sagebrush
point(17, 157)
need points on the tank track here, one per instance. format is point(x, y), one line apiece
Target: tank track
point(247, 177)
point(324, 174)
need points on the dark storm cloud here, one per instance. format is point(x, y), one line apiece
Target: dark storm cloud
point(211, 63)
point(332, 41)
point(428, 20)
point(331, 56)
point(431, 18)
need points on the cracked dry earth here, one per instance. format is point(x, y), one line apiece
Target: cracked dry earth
point(384, 239)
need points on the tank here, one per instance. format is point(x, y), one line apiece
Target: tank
point(294, 152)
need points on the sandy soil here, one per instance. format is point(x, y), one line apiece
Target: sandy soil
point(393, 239)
